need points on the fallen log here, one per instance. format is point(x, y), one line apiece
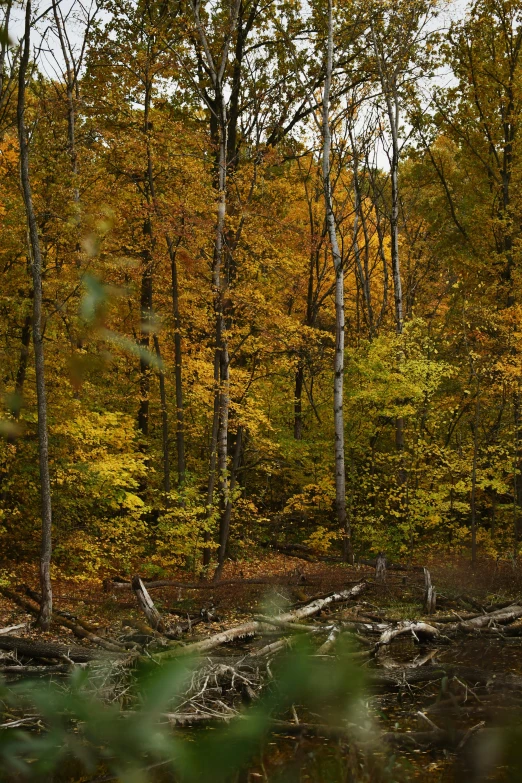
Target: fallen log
point(264, 580)
point(254, 626)
point(29, 648)
point(418, 630)
point(455, 617)
point(272, 649)
point(63, 613)
point(66, 621)
point(11, 628)
point(499, 617)
point(329, 644)
point(278, 623)
point(41, 671)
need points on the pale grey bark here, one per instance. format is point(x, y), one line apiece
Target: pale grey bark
point(338, 390)
point(218, 107)
point(391, 97)
point(46, 605)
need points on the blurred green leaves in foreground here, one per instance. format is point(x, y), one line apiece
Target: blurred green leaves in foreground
point(76, 730)
point(131, 740)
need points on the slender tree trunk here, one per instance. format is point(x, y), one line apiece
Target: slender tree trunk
point(46, 606)
point(338, 391)
point(212, 460)
point(298, 401)
point(146, 328)
point(224, 528)
point(517, 478)
point(70, 82)
point(363, 273)
point(473, 501)
point(164, 419)
point(391, 96)
point(22, 367)
point(147, 276)
point(219, 128)
point(178, 359)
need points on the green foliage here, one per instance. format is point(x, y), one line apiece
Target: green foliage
point(82, 732)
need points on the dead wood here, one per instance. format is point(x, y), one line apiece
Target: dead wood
point(419, 631)
point(430, 594)
point(329, 644)
point(11, 628)
point(29, 648)
point(278, 623)
point(142, 627)
point(147, 606)
point(499, 617)
point(62, 613)
point(29, 606)
point(152, 614)
point(262, 580)
point(29, 671)
point(60, 618)
point(273, 648)
point(79, 628)
point(454, 617)
point(254, 626)
point(380, 568)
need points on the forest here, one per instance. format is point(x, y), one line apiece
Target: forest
point(260, 336)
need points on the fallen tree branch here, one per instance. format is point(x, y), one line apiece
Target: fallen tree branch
point(10, 628)
point(30, 648)
point(66, 621)
point(264, 580)
point(418, 630)
point(254, 626)
point(499, 617)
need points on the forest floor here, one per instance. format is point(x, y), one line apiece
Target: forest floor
point(288, 582)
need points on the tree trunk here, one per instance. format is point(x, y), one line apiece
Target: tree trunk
point(212, 460)
point(298, 402)
point(164, 419)
point(338, 392)
point(517, 476)
point(473, 501)
point(22, 367)
point(44, 618)
point(178, 358)
point(224, 527)
point(430, 594)
point(391, 96)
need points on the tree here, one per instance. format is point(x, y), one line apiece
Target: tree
point(46, 606)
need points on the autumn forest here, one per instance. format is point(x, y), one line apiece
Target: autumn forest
point(260, 283)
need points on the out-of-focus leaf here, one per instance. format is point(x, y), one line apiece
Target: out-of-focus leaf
point(129, 346)
point(94, 298)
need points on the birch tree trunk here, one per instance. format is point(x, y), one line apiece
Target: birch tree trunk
point(338, 391)
point(219, 120)
point(46, 605)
